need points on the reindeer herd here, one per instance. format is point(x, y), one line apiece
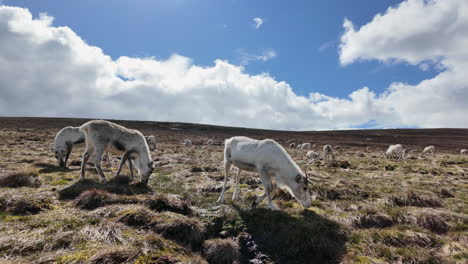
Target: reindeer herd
point(265, 157)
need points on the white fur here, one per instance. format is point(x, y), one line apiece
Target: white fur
point(464, 151)
point(328, 153)
point(312, 156)
point(210, 142)
point(64, 141)
point(188, 142)
point(305, 146)
point(428, 150)
point(292, 145)
point(271, 162)
point(394, 151)
point(103, 136)
point(151, 140)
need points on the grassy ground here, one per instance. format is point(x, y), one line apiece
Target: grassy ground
point(366, 210)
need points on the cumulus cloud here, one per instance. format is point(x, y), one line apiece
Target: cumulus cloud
point(258, 22)
point(51, 71)
point(424, 33)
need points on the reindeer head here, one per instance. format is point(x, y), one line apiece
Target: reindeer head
point(299, 188)
point(60, 153)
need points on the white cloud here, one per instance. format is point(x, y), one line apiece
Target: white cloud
point(426, 33)
point(51, 71)
point(246, 58)
point(258, 22)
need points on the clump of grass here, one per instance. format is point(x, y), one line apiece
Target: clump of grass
point(341, 192)
point(433, 222)
point(445, 193)
point(93, 199)
point(168, 202)
point(373, 220)
point(23, 205)
point(115, 255)
point(406, 238)
point(137, 216)
point(221, 251)
point(186, 231)
point(118, 186)
point(419, 200)
point(227, 222)
point(23, 178)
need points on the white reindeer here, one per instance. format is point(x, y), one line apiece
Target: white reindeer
point(151, 140)
point(292, 145)
point(464, 151)
point(328, 153)
point(312, 156)
point(103, 136)
point(63, 143)
point(305, 146)
point(394, 151)
point(187, 142)
point(271, 162)
point(428, 150)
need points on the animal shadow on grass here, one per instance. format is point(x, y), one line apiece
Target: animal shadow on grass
point(117, 185)
point(47, 168)
point(304, 238)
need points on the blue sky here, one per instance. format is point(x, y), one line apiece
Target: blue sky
point(205, 30)
point(294, 65)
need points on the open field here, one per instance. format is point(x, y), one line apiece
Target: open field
point(366, 209)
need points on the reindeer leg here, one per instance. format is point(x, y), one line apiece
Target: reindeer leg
point(122, 162)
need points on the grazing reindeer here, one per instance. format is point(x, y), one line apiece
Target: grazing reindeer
point(63, 143)
point(271, 161)
point(151, 140)
point(428, 150)
point(328, 153)
point(103, 136)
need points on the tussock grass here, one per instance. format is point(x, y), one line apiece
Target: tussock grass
point(185, 230)
point(373, 220)
point(120, 185)
point(115, 256)
point(221, 251)
point(168, 202)
point(21, 178)
point(92, 199)
point(416, 199)
point(23, 204)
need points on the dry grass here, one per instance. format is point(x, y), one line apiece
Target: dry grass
point(22, 178)
point(367, 209)
point(221, 251)
point(168, 202)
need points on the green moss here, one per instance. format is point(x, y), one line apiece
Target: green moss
point(59, 182)
point(75, 257)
